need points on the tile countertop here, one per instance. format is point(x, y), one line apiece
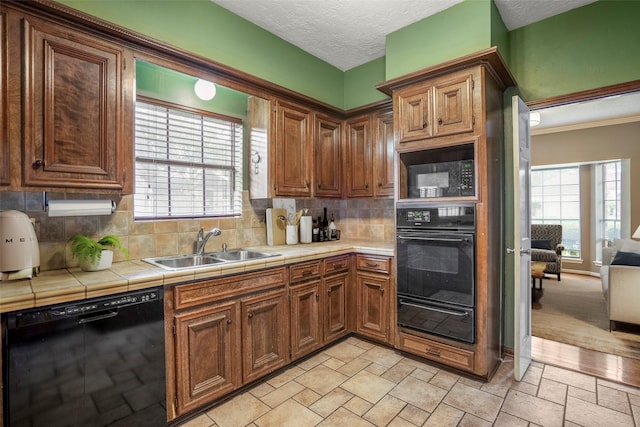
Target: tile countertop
point(60, 286)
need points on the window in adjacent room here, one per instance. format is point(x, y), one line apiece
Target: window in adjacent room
point(609, 203)
point(188, 163)
point(555, 199)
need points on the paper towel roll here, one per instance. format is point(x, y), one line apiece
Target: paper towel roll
point(80, 207)
point(305, 229)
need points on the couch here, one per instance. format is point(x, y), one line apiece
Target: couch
point(546, 246)
point(620, 277)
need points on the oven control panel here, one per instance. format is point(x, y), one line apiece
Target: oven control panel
point(418, 216)
point(461, 216)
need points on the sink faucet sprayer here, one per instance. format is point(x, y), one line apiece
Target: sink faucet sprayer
point(202, 238)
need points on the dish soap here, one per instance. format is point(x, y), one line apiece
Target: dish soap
point(332, 229)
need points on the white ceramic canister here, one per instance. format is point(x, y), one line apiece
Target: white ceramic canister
point(292, 234)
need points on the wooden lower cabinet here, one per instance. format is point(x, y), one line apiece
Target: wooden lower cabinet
point(213, 331)
point(265, 333)
point(318, 303)
point(226, 333)
point(306, 334)
point(373, 306)
point(373, 289)
point(335, 306)
point(436, 351)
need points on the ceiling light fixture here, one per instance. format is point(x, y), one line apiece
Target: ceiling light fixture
point(534, 118)
point(205, 90)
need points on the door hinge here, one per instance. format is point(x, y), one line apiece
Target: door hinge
point(473, 119)
point(173, 327)
point(473, 84)
point(175, 404)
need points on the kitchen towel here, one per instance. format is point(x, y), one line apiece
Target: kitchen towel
point(80, 207)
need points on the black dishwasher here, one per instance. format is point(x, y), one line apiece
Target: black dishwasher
point(95, 362)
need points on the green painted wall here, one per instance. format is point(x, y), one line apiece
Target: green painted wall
point(172, 86)
point(360, 84)
point(454, 32)
point(206, 29)
point(585, 48)
point(499, 33)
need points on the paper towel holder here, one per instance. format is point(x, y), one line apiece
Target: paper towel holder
point(90, 208)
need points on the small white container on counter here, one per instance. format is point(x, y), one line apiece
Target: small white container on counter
point(305, 229)
point(292, 234)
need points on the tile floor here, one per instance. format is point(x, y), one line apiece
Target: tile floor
point(355, 383)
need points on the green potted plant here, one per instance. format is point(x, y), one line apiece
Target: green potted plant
point(92, 255)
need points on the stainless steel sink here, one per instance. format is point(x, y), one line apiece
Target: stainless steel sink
point(240, 255)
point(178, 262)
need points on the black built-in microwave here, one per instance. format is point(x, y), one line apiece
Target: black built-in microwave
point(444, 179)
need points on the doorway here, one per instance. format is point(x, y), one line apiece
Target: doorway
point(581, 116)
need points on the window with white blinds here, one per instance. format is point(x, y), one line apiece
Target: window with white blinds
point(187, 163)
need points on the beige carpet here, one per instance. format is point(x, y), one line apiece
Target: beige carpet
point(573, 311)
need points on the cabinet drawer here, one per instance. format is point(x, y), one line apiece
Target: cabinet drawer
point(218, 289)
point(442, 353)
point(373, 263)
point(304, 271)
point(337, 264)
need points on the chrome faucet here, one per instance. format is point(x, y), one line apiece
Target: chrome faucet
point(224, 247)
point(202, 239)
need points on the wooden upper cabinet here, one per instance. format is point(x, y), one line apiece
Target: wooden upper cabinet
point(435, 108)
point(292, 151)
point(359, 149)
point(4, 118)
point(453, 112)
point(77, 109)
point(383, 156)
point(414, 112)
point(328, 157)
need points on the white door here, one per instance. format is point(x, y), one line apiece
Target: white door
point(522, 237)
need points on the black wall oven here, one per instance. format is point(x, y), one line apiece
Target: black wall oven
point(436, 269)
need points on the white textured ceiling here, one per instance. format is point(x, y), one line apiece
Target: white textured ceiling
point(348, 33)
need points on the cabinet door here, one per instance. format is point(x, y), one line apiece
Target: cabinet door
point(293, 151)
point(358, 142)
point(383, 161)
point(265, 334)
point(373, 306)
point(414, 114)
point(306, 334)
point(206, 354)
point(74, 110)
point(453, 106)
point(328, 157)
point(335, 312)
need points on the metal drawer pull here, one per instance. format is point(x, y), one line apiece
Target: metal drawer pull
point(372, 264)
point(439, 310)
point(307, 273)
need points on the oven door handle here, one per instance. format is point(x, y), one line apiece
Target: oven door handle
point(434, 239)
point(439, 310)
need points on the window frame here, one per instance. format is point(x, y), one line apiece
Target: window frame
point(560, 220)
point(235, 168)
